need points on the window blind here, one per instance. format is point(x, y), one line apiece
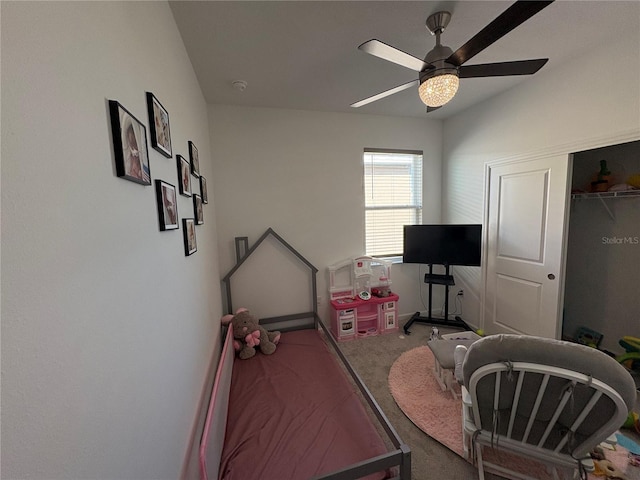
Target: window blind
point(393, 198)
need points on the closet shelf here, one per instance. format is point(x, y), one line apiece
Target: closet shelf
point(604, 195)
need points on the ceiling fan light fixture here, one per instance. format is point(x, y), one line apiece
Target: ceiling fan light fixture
point(440, 71)
point(438, 90)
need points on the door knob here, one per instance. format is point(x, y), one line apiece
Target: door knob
point(551, 276)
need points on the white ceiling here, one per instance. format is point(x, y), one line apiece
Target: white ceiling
point(303, 54)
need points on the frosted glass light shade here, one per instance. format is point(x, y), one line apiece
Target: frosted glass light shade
point(438, 90)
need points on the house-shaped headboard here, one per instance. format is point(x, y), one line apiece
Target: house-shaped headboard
point(274, 281)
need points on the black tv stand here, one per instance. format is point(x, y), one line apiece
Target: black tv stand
point(437, 279)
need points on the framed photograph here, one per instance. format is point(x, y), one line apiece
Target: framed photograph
point(193, 156)
point(189, 233)
point(197, 209)
point(184, 176)
point(167, 205)
point(203, 190)
point(159, 125)
point(129, 145)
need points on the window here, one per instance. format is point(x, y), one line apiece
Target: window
point(393, 198)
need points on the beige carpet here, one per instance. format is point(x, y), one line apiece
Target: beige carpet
point(372, 357)
point(414, 388)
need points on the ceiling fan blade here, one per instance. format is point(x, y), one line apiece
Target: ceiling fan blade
point(431, 109)
point(387, 52)
point(513, 16)
point(386, 93)
point(502, 69)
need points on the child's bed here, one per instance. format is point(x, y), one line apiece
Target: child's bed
point(298, 413)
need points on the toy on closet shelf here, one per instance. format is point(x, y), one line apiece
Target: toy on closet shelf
point(634, 180)
point(602, 180)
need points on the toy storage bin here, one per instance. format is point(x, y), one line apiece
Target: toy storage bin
point(367, 319)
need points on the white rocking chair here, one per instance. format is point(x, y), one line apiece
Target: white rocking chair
point(543, 399)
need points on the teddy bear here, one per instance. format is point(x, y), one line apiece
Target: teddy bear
point(248, 334)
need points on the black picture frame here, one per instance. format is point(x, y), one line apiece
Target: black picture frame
point(159, 126)
point(197, 209)
point(193, 157)
point(129, 145)
point(184, 176)
point(203, 190)
point(167, 201)
point(189, 235)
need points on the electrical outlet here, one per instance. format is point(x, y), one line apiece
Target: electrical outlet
point(460, 293)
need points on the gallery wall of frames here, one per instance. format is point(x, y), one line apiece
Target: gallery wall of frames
point(132, 163)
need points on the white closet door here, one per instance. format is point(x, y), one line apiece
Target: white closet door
point(524, 244)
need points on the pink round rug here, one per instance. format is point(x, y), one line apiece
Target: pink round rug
point(417, 393)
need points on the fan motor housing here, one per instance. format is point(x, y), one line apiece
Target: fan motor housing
point(436, 58)
point(439, 52)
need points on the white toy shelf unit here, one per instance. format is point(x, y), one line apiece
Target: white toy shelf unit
point(362, 303)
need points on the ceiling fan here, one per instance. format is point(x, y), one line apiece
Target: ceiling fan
point(441, 69)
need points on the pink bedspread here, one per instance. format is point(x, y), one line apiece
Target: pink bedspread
point(294, 415)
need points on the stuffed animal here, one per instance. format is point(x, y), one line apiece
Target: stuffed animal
point(604, 468)
point(248, 334)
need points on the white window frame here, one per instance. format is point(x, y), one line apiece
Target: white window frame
point(413, 203)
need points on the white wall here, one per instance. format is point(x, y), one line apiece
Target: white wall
point(108, 329)
point(580, 104)
point(301, 174)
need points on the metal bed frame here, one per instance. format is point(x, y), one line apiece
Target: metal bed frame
point(400, 457)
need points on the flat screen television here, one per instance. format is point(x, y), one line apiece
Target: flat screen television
point(442, 244)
